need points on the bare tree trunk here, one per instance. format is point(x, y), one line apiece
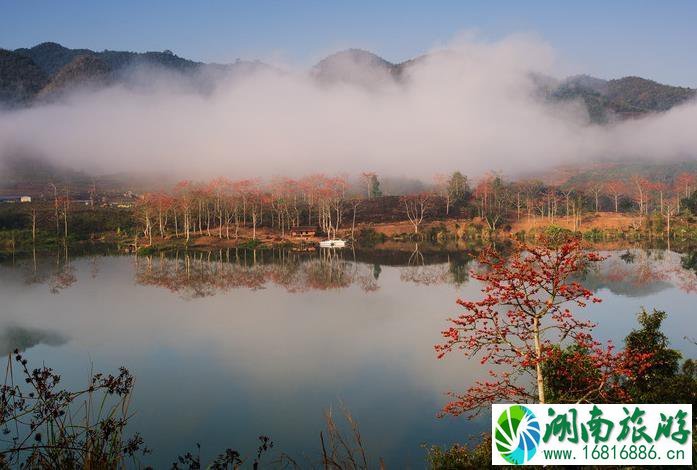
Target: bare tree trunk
point(517, 206)
point(353, 222)
point(220, 221)
point(661, 198)
point(65, 214)
point(33, 226)
point(55, 208)
point(538, 365)
point(208, 220)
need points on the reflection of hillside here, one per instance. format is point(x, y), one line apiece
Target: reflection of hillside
point(16, 337)
point(198, 274)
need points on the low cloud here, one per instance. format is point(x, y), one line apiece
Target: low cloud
point(470, 106)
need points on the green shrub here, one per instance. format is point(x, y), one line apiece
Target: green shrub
point(251, 244)
point(594, 235)
point(369, 237)
point(461, 456)
point(439, 233)
point(556, 235)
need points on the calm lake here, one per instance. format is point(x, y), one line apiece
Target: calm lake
point(226, 346)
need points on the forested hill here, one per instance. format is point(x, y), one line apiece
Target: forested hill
point(20, 78)
point(624, 97)
point(52, 57)
point(590, 174)
point(31, 75)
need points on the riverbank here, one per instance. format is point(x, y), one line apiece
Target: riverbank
point(604, 229)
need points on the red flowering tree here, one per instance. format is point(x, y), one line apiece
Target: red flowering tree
point(523, 321)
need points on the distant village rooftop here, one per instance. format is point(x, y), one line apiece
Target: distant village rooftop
point(304, 231)
point(10, 199)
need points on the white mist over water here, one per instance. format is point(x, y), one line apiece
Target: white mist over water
point(471, 106)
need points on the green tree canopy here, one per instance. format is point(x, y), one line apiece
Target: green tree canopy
point(458, 187)
point(666, 380)
point(374, 183)
point(690, 203)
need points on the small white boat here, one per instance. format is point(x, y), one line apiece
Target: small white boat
point(333, 243)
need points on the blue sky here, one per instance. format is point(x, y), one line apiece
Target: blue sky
point(654, 39)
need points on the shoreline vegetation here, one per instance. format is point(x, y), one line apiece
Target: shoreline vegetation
point(299, 213)
point(48, 427)
point(601, 230)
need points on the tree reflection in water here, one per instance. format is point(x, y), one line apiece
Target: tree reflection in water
point(195, 274)
point(53, 268)
point(454, 271)
point(56, 269)
point(638, 272)
point(202, 274)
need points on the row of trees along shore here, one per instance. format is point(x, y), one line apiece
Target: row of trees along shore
point(221, 207)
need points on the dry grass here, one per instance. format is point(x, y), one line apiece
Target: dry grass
point(601, 220)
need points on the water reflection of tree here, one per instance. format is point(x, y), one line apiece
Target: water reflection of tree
point(454, 271)
point(418, 272)
point(642, 272)
point(64, 275)
point(55, 269)
point(459, 269)
point(687, 276)
point(365, 276)
point(201, 274)
point(195, 274)
point(689, 261)
point(376, 271)
point(32, 272)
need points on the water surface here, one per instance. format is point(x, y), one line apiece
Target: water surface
point(226, 346)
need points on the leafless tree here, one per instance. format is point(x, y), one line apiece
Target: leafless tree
point(416, 206)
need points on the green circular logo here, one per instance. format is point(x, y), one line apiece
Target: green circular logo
point(517, 434)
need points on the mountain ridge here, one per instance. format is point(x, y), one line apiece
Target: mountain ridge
point(28, 75)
